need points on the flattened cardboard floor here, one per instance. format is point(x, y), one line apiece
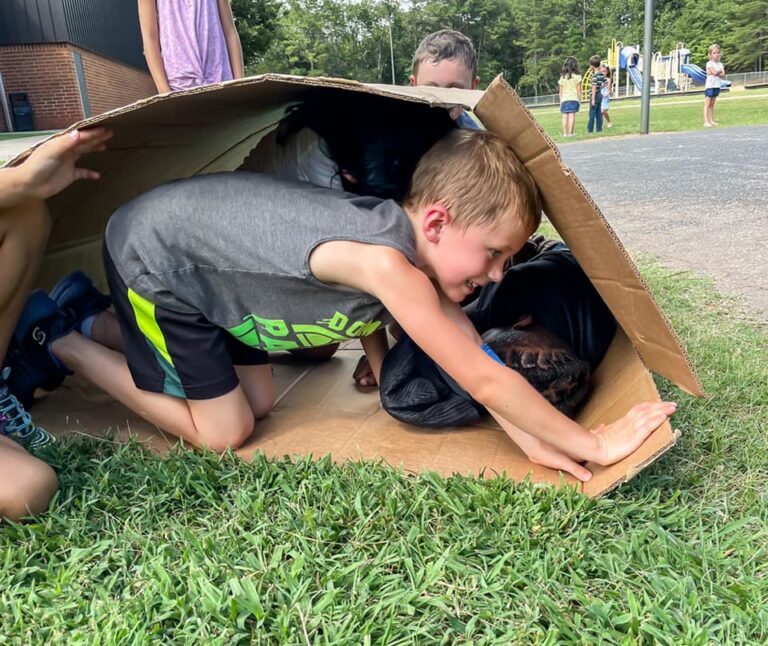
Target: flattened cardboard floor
point(320, 412)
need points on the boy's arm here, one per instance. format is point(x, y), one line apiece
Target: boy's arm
point(376, 347)
point(234, 48)
point(411, 298)
point(150, 36)
point(594, 92)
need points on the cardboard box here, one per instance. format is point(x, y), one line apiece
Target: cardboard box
point(320, 411)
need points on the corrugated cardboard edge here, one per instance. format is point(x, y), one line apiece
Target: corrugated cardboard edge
point(439, 97)
point(637, 468)
point(651, 334)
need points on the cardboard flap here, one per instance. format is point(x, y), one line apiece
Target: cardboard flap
point(180, 134)
point(592, 240)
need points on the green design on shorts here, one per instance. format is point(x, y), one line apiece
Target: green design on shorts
point(276, 334)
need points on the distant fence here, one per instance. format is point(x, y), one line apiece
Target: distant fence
point(737, 81)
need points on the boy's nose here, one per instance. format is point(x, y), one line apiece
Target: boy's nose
point(496, 272)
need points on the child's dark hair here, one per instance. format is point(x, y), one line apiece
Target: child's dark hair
point(546, 362)
point(570, 67)
point(443, 45)
point(594, 61)
point(375, 141)
point(607, 71)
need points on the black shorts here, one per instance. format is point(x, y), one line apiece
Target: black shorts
point(175, 353)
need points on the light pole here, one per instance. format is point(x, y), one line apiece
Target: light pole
point(645, 100)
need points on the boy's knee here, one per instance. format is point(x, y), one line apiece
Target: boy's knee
point(30, 492)
point(220, 439)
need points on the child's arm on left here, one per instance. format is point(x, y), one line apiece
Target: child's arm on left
point(234, 48)
point(51, 167)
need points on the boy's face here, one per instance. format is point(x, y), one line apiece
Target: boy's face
point(445, 73)
point(463, 259)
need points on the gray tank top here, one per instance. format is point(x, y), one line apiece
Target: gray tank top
point(235, 247)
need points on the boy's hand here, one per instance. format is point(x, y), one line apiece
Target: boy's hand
point(546, 455)
point(51, 167)
point(616, 441)
point(363, 374)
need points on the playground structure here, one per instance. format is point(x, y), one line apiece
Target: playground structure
point(672, 72)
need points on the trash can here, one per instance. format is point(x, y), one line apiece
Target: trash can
point(21, 112)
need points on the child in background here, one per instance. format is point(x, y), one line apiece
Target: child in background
point(447, 58)
point(570, 92)
point(715, 74)
point(190, 43)
point(306, 266)
point(598, 80)
point(27, 484)
point(605, 95)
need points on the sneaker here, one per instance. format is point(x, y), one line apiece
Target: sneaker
point(16, 423)
point(76, 295)
point(610, 125)
point(29, 353)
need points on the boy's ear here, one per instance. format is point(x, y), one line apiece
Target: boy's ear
point(475, 83)
point(412, 79)
point(434, 220)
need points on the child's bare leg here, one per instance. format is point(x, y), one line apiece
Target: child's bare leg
point(26, 483)
point(606, 116)
point(565, 124)
point(572, 122)
point(707, 118)
point(106, 331)
point(259, 388)
point(217, 423)
point(24, 233)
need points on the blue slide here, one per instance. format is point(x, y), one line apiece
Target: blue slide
point(636, 76)
point(699, 75)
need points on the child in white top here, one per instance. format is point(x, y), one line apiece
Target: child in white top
point(715, 74)
point(605, 95)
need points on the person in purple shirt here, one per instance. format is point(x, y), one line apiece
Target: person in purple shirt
point(188, 43)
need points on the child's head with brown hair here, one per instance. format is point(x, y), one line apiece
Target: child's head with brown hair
point(445, 58)
point(570, 67)
point(473, 204)
point(477, 176)
point(594, 61)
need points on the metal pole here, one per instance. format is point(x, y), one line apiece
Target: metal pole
point(645, 101)
point(6, 110)
point(391, 50)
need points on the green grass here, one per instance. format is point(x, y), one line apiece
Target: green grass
point(668, 114)
point(200, 549)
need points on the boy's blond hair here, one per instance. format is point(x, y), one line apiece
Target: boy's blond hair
point(478, 178)
point(445, 45)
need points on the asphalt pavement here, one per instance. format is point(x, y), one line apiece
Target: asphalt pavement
point(695, 200)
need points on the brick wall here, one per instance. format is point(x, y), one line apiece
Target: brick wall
point(111, 84)
point(46, 72)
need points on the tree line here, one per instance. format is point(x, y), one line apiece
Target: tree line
point(526, 40)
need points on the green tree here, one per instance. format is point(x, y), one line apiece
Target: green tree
point(256, 21)
point(749, 39)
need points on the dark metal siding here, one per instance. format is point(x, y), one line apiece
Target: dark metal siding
point(32, 21)
point(106, 27)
